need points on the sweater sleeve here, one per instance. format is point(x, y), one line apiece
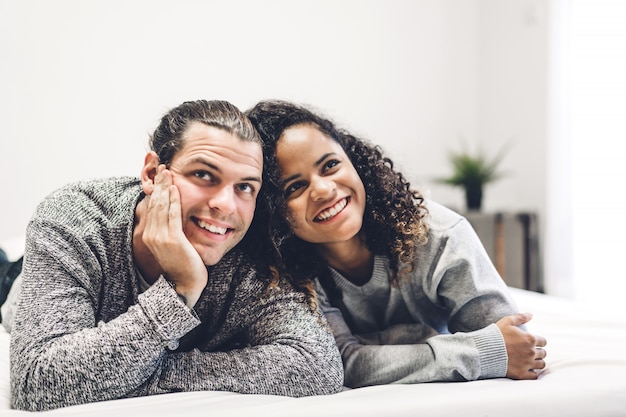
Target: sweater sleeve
point(461, 282)
point(60, 355)
point(289, 351)
point(420, 358)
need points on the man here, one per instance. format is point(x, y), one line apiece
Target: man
point(9, 273)
point(136, 287)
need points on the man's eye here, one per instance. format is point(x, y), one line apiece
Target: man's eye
point(246, 188)
point(203, 175)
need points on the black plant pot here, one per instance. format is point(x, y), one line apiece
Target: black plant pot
point(473, 198)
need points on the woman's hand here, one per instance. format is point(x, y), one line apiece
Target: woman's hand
point(526, 352)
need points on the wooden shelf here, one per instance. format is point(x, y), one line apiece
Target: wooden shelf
point(512, 243)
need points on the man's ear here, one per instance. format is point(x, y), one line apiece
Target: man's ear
point(148, 172)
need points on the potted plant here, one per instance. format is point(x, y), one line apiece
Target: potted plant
point(473, 171)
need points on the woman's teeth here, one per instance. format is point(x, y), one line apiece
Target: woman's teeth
point(333, 211)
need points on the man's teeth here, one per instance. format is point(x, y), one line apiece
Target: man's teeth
point(212, 228)
point(333, 211)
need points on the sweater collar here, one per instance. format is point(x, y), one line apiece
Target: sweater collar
point(378, 280)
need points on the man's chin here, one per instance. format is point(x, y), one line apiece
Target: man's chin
point(212, 256)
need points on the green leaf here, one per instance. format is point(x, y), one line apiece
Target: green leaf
point(473, 170)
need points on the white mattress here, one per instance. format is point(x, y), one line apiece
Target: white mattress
point(585, 376)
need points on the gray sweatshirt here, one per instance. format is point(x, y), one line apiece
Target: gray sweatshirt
point(436, 326)
point(83, 331)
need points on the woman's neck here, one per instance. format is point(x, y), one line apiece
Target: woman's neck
point(352, 259)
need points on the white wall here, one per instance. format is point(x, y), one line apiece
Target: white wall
point(84, 81)
point(598, 134)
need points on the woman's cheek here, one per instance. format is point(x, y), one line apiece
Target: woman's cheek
point(293, 216)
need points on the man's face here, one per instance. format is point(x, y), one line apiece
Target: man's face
point(219, 177)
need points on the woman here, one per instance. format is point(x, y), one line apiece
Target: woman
point(405, 283)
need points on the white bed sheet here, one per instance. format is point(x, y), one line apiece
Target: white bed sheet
point(585, 376)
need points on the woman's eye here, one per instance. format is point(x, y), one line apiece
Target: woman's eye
point(330, 164)
point(292, 188)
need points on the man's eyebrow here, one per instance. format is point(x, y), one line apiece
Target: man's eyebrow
point(256, 179)
point(316, 164)
point(204, 161)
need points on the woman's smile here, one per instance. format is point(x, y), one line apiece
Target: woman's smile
point(331, 212)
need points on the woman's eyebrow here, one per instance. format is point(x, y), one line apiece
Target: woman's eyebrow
point(316, 164)
point(284, 181)
point(326, 155)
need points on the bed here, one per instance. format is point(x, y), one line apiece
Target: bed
point(585, 376)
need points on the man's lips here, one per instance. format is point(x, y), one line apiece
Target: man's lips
point(331, 212)
point(218, 230)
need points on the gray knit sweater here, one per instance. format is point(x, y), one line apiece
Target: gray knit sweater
point(436, 326)
point(83, 332)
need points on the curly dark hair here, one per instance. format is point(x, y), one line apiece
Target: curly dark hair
point(393, 222)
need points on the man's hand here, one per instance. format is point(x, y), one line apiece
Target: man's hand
point(166, 240)
point(526, 352)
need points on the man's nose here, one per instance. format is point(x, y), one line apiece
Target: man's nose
point(223, 199)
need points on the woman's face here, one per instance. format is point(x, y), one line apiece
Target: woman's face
point(325, 195)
